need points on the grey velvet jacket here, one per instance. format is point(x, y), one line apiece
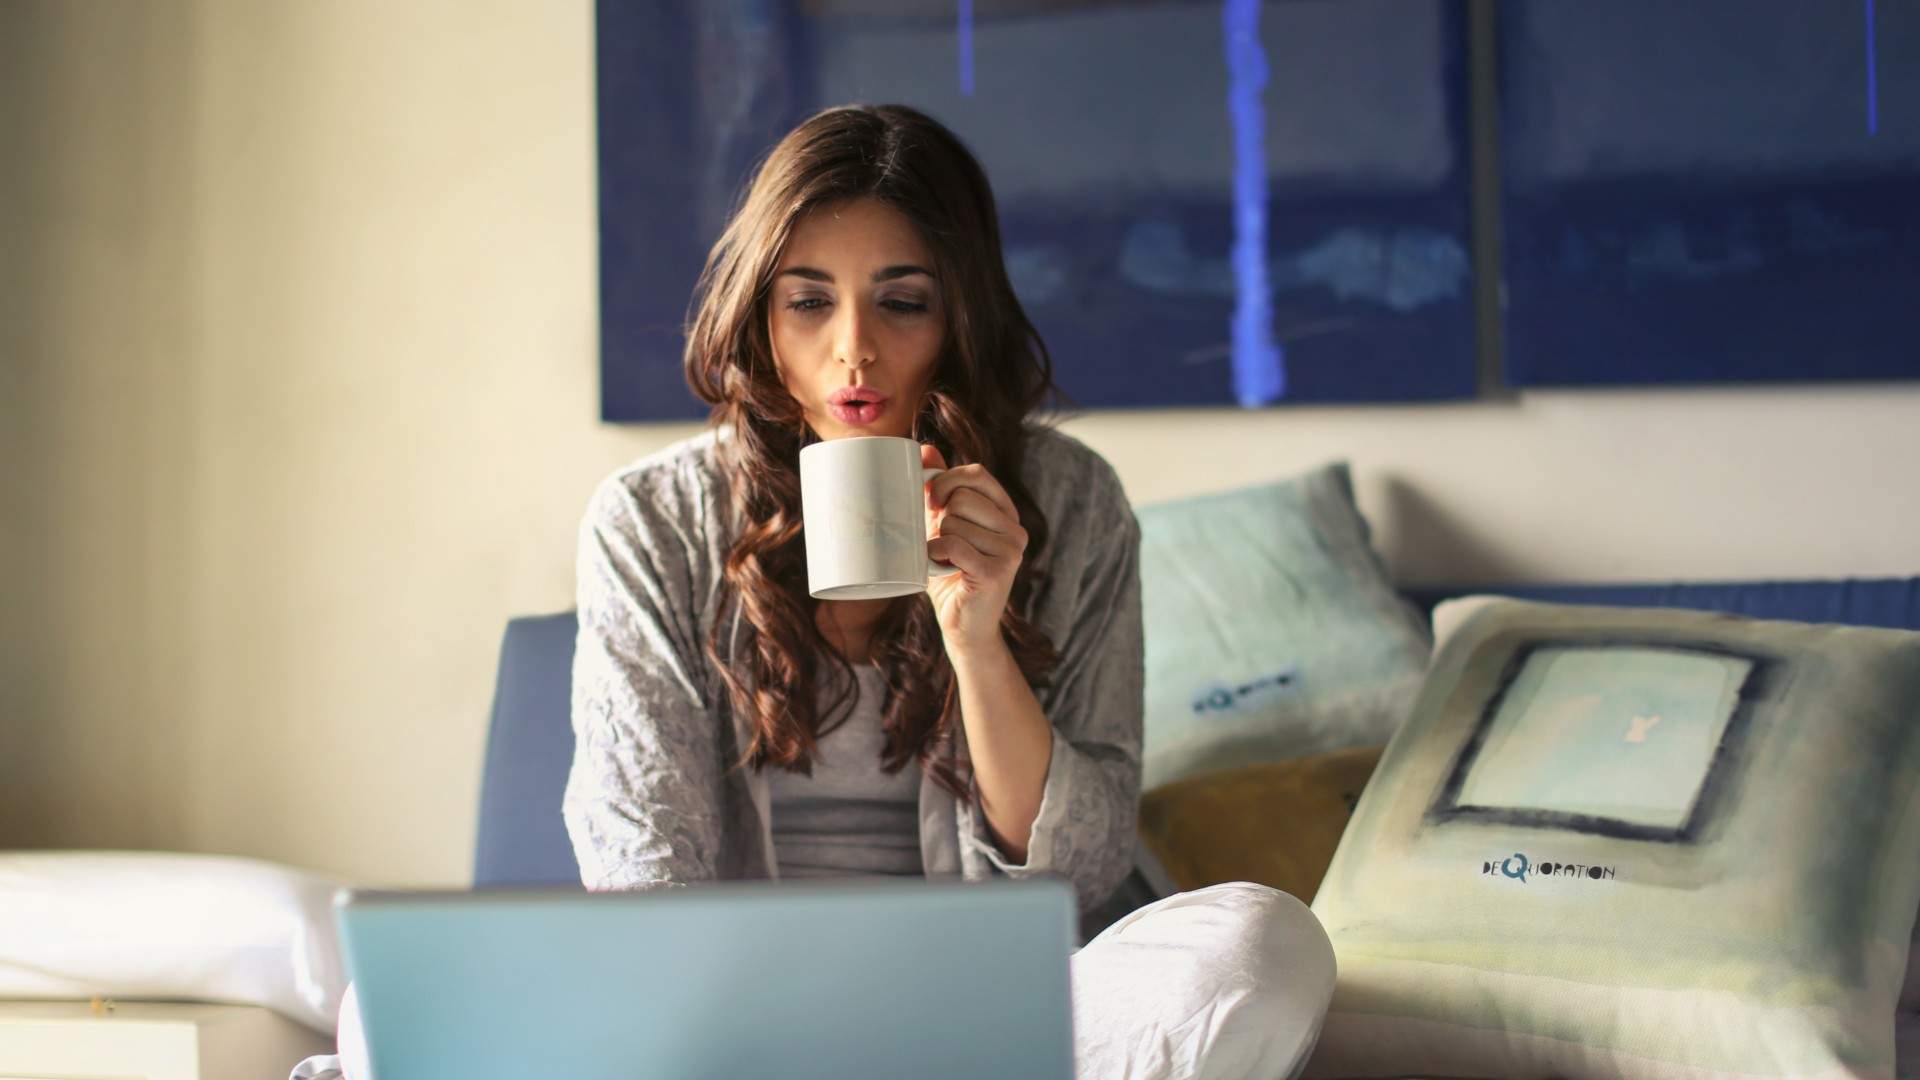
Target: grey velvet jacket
point(648, 800)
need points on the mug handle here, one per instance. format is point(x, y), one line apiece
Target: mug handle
point(934, 569)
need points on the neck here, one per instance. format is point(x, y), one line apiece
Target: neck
point(848, 624)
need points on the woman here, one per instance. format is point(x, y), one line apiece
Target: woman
point(730, 726)
point(988, 728)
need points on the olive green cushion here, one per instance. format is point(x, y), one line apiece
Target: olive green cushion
point(1276, 823)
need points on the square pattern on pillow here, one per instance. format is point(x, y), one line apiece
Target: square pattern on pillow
point(1614, 842)
point(1272, 631)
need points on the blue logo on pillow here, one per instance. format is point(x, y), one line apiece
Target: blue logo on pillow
point(1221, 697)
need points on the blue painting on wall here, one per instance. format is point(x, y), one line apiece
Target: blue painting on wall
point(1202, 203)
point(1710, 191)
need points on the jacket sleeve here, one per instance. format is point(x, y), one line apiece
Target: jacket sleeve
point(644, 797)
point(1091, 801)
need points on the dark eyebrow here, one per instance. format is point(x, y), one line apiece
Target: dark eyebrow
point(890, 273)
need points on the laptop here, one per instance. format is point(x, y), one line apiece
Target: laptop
point(734, 980)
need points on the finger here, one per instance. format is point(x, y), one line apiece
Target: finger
point(957, 551)
point(986, 541)
point(931, 458)
point(974, 478)
point(969, 505)
point(977, 478)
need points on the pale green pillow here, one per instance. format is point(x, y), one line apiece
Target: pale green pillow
point(1616, 842)
point(1272, 631)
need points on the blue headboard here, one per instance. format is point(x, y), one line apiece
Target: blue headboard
point(1891, 602)
point(522, 840)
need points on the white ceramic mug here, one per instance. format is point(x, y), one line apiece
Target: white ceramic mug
point(864, 518)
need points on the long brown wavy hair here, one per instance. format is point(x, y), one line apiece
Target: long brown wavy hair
point(992, 374)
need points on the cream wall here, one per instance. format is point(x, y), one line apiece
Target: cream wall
point(297, 314)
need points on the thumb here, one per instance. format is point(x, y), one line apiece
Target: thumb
point(931, 458)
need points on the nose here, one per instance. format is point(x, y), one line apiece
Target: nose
point(853, 339)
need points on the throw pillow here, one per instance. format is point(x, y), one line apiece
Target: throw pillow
point(1272, 631)
point(1277, 824)
point(1616, 842)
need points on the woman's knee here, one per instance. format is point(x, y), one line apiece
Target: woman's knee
point(1277, 929)
point(1257, 932)
point(1286, 933)
point(1249, 962)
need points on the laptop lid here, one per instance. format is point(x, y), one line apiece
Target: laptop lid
point(725, 980)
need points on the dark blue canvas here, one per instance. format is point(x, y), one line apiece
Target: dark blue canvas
point(1201, 203)
point(1710, 191)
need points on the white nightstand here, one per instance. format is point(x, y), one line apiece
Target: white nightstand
point(147, 1040)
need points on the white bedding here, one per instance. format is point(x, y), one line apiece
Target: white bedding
point(167, 925)
point(1906, 1041)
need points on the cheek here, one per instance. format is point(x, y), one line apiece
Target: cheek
point(920, 355)
point(922, 344)
point(791, 350)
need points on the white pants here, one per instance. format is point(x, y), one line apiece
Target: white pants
point(1231, 980)
point(1227, 981)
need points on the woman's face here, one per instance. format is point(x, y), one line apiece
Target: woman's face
point(856, 320)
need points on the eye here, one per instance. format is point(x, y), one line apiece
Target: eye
point(903, 307)
point(806, 303)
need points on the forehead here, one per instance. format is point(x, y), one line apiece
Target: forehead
point(861, 233)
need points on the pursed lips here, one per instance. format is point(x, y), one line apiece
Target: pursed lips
point(856, 405)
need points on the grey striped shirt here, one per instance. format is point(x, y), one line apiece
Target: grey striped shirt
point(850, 818)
